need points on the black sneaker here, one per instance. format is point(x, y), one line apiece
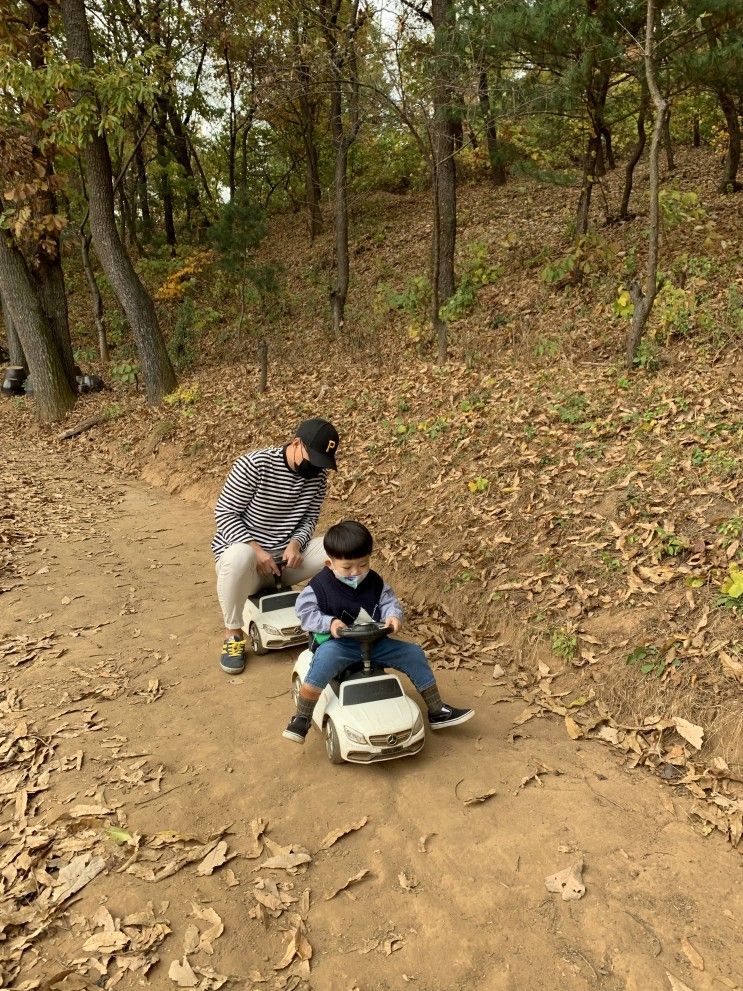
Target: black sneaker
point(297, 730)
point(449, 716)
point(232, 660)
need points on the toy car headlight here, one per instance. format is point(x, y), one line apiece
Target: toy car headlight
point(418, 725)
point(272, 630)
point(354, 736)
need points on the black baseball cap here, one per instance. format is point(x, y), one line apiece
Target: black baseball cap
point(321, 440)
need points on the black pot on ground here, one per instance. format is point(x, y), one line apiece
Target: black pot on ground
point(15, 376)
point(89, 383)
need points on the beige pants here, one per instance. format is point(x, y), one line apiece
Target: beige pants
point(237, 577)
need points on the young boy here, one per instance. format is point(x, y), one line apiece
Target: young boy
point(346, 591)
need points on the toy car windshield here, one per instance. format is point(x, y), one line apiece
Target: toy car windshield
point(358, 692)
point(280, 600)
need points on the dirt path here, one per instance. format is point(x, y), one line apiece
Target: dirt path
point(149, 736)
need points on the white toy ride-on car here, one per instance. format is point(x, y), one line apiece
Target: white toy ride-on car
point(364, 714)
point(270, 619)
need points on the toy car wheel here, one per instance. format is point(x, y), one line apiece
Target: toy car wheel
point(332, 744)
point(255, 640)
point(296, 686)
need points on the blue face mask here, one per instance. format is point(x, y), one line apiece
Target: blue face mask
point(351, 582)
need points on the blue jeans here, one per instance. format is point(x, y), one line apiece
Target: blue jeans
point(334, 656)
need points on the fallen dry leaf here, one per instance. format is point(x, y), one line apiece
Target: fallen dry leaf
point(286, 861)
point(689, 731)
point(423, 840)
point(181, 973)
point(731, 666)
point(257, 829)
point(568, 882)
point(575, 732)
point(393, 943)
point(191, 939)
point(215, 930)
point(407, 881)
point(676, 984)
point(75, 875)
point(105, 942)
point(692, 955)
point(213, 859)
point(298, 945)
point(333, 836)
point(347, 884)
point(478, 799)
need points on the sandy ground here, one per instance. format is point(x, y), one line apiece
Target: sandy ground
point(124, 578)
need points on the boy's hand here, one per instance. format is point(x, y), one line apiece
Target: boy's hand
point(335, 627)
point(393, 622)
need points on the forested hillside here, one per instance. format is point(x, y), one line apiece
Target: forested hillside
point(136, 136)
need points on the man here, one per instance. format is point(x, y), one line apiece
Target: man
point(267, 512)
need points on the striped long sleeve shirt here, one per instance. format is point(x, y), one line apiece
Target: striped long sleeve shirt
point(265, 501)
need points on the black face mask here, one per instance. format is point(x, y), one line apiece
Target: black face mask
point(305, 469)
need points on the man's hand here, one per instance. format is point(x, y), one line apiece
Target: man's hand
point(265, 563)
point(335, 627)
point(393, 623)
point(292, 555)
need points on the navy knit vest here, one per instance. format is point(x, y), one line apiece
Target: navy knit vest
point(339, 600)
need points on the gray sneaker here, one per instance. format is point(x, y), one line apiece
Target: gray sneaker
point(232, 660)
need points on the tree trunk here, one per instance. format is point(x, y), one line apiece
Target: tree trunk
point(600, 170)
point(445, 171)
point(157, 370)
point(339, 292)
point(313, 190)
point(440, 328)
point(457, 121)
point(16, 356)
point(244, 162)
point(200, 170)
point(262, 365)
point(596, 92)
point(729, 182)
point(194, 211)
point(668, 142)
point(123, 214)
point(340, 41)
point(95, 294)
point(497, 168)
point(696, 139)
point(52, 391)
point(143, 198)
point(608, 147)
point(166, 192)
point(307, 126)
point(232, 128)
point(46, 266)
point(49, 281)
point(643, 301)
point(129, 181)
point(589, 178)
point(629, 173)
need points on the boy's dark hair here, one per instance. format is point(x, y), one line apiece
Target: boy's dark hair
point(348, 541)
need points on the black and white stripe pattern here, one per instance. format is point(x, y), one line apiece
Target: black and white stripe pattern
point(263, 500)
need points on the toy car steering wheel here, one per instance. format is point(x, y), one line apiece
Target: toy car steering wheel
point(365, 632)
